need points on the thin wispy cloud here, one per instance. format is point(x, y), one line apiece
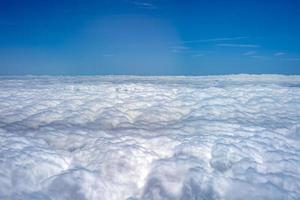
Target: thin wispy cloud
point(238, 45)
point(198, 55)
point(249, 53)
point(291, 59)
point(178, 49)
point(259, 57)
point(214, 40)
point(279, 54)
point(108, 55)
point(142, 4)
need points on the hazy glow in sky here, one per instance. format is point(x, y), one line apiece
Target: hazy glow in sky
point(149, 37)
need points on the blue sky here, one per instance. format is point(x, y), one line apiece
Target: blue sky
point(149, 37)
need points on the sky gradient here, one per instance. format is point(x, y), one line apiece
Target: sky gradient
point(149, 37)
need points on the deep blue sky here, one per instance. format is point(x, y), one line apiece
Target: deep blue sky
point(149, 37)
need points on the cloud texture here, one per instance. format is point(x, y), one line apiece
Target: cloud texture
point(150, 138)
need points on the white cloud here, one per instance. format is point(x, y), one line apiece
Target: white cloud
point(292, 59)
point(128, 137)
point(239, 45)
point(198, 55)
point(142, 4)
point(214, 40)
point(179, 49)
point(259, 57)
point(279, 54)
point(249, 53)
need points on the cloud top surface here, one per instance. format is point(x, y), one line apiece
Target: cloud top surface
point(150, 138)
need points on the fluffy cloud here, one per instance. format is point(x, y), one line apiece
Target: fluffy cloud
point(138, 138)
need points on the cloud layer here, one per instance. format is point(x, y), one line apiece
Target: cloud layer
point(143, 138)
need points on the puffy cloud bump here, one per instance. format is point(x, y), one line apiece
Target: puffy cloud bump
point(150, 138)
